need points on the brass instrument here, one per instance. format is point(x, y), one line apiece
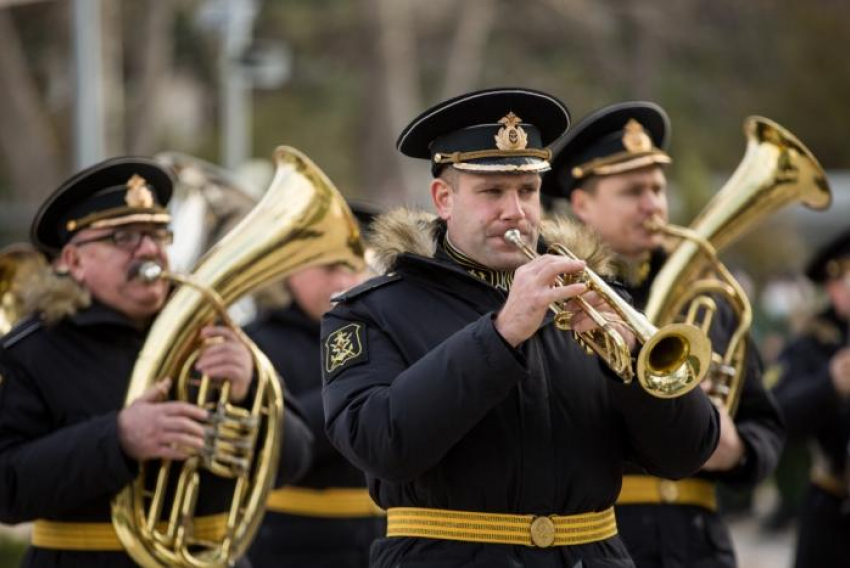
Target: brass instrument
point(301, 221)
point(777, 169)
point(18, 263)
point(672, 360)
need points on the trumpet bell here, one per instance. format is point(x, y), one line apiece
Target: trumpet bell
point(674, 360)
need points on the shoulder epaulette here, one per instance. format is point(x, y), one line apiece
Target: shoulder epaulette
point(21, 330)
point(823, 331)
point(366, 287)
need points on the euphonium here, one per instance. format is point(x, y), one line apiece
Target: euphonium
point(672, 360)
point(18, 263)
point(301, 221)
point(777, 169)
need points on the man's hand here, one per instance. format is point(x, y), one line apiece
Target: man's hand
point(151, 429)
point(532, 291)
point(839, 371)
point(225, 357)
point(581, 322)
point(730, 449)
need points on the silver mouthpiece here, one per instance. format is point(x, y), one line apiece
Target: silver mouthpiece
point(513, 236)
point(149, 271)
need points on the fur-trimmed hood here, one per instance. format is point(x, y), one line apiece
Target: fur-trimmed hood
point(415, 231)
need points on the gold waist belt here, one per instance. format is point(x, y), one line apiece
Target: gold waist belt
point(337, 502)
point(830, 483)
point(494, 528)
point(101, 536)
point(646, 489)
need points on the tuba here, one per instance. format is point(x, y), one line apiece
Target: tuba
point(301, 221)
point(18, 264)
point(672, 360)
point(777, 169)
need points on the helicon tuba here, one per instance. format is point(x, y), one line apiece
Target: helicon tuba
point(18, 263)
point(301, 221)
point(672, 361)
point(777, 169)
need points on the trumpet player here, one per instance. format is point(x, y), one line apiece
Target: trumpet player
point(66, 444)
point(491, 437)
point(611, 169)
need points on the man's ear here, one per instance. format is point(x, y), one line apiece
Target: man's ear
point(69, 263)
point(442, 195)
point(579, 201)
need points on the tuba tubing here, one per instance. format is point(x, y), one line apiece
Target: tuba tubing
point(776, 170)
point(301, 221)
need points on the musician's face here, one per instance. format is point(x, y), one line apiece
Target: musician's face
point(838, 290)
point(617, 206)
point(104, 266)
point(313, 287)
point(479, 208)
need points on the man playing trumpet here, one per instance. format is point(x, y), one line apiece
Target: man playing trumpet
point(491, 437)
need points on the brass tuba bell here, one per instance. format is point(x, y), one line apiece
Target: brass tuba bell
point(301, 221)
point(777, 169)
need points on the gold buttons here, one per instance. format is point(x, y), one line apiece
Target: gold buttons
point(668, 490)
point(543, 532)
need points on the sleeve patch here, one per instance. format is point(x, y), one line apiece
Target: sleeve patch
point(343, 348)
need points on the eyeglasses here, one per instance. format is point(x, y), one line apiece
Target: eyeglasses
point(130, 239)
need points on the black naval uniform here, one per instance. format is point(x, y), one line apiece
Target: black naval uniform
point(423, 394)
point(60, 457)
point(290, 338)
point(688, 536)
point(814, 410)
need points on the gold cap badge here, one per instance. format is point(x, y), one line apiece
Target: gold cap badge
point(138, 194)
point(511, 136)
point(635, 138)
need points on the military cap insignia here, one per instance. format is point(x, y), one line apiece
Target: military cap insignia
point(635, 138)
point(511, 136)
point(343, 348)
point(772, 375)
point(138, 194)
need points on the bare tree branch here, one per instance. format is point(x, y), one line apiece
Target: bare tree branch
point(466, 55)
point(27, 139)
point(153, 58)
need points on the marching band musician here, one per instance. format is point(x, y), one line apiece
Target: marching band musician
point(491, 438)
point(813, 390)
point(327, 519)
point(611, 168)
point(66, 444)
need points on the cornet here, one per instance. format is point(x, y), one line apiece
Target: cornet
point(673, 359)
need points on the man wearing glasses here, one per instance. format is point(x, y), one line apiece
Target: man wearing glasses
point(66, 444)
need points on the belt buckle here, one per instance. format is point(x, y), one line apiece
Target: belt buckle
point(542, 532)
point(668, 491)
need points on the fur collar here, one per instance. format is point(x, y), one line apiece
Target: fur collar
point(52, 295)
point(415, 231)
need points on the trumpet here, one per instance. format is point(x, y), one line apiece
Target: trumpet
point(672, 360)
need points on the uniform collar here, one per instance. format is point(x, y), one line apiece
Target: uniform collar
point(295, 316)
point(100, 314)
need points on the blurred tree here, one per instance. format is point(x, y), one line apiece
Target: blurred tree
point(31, 152)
